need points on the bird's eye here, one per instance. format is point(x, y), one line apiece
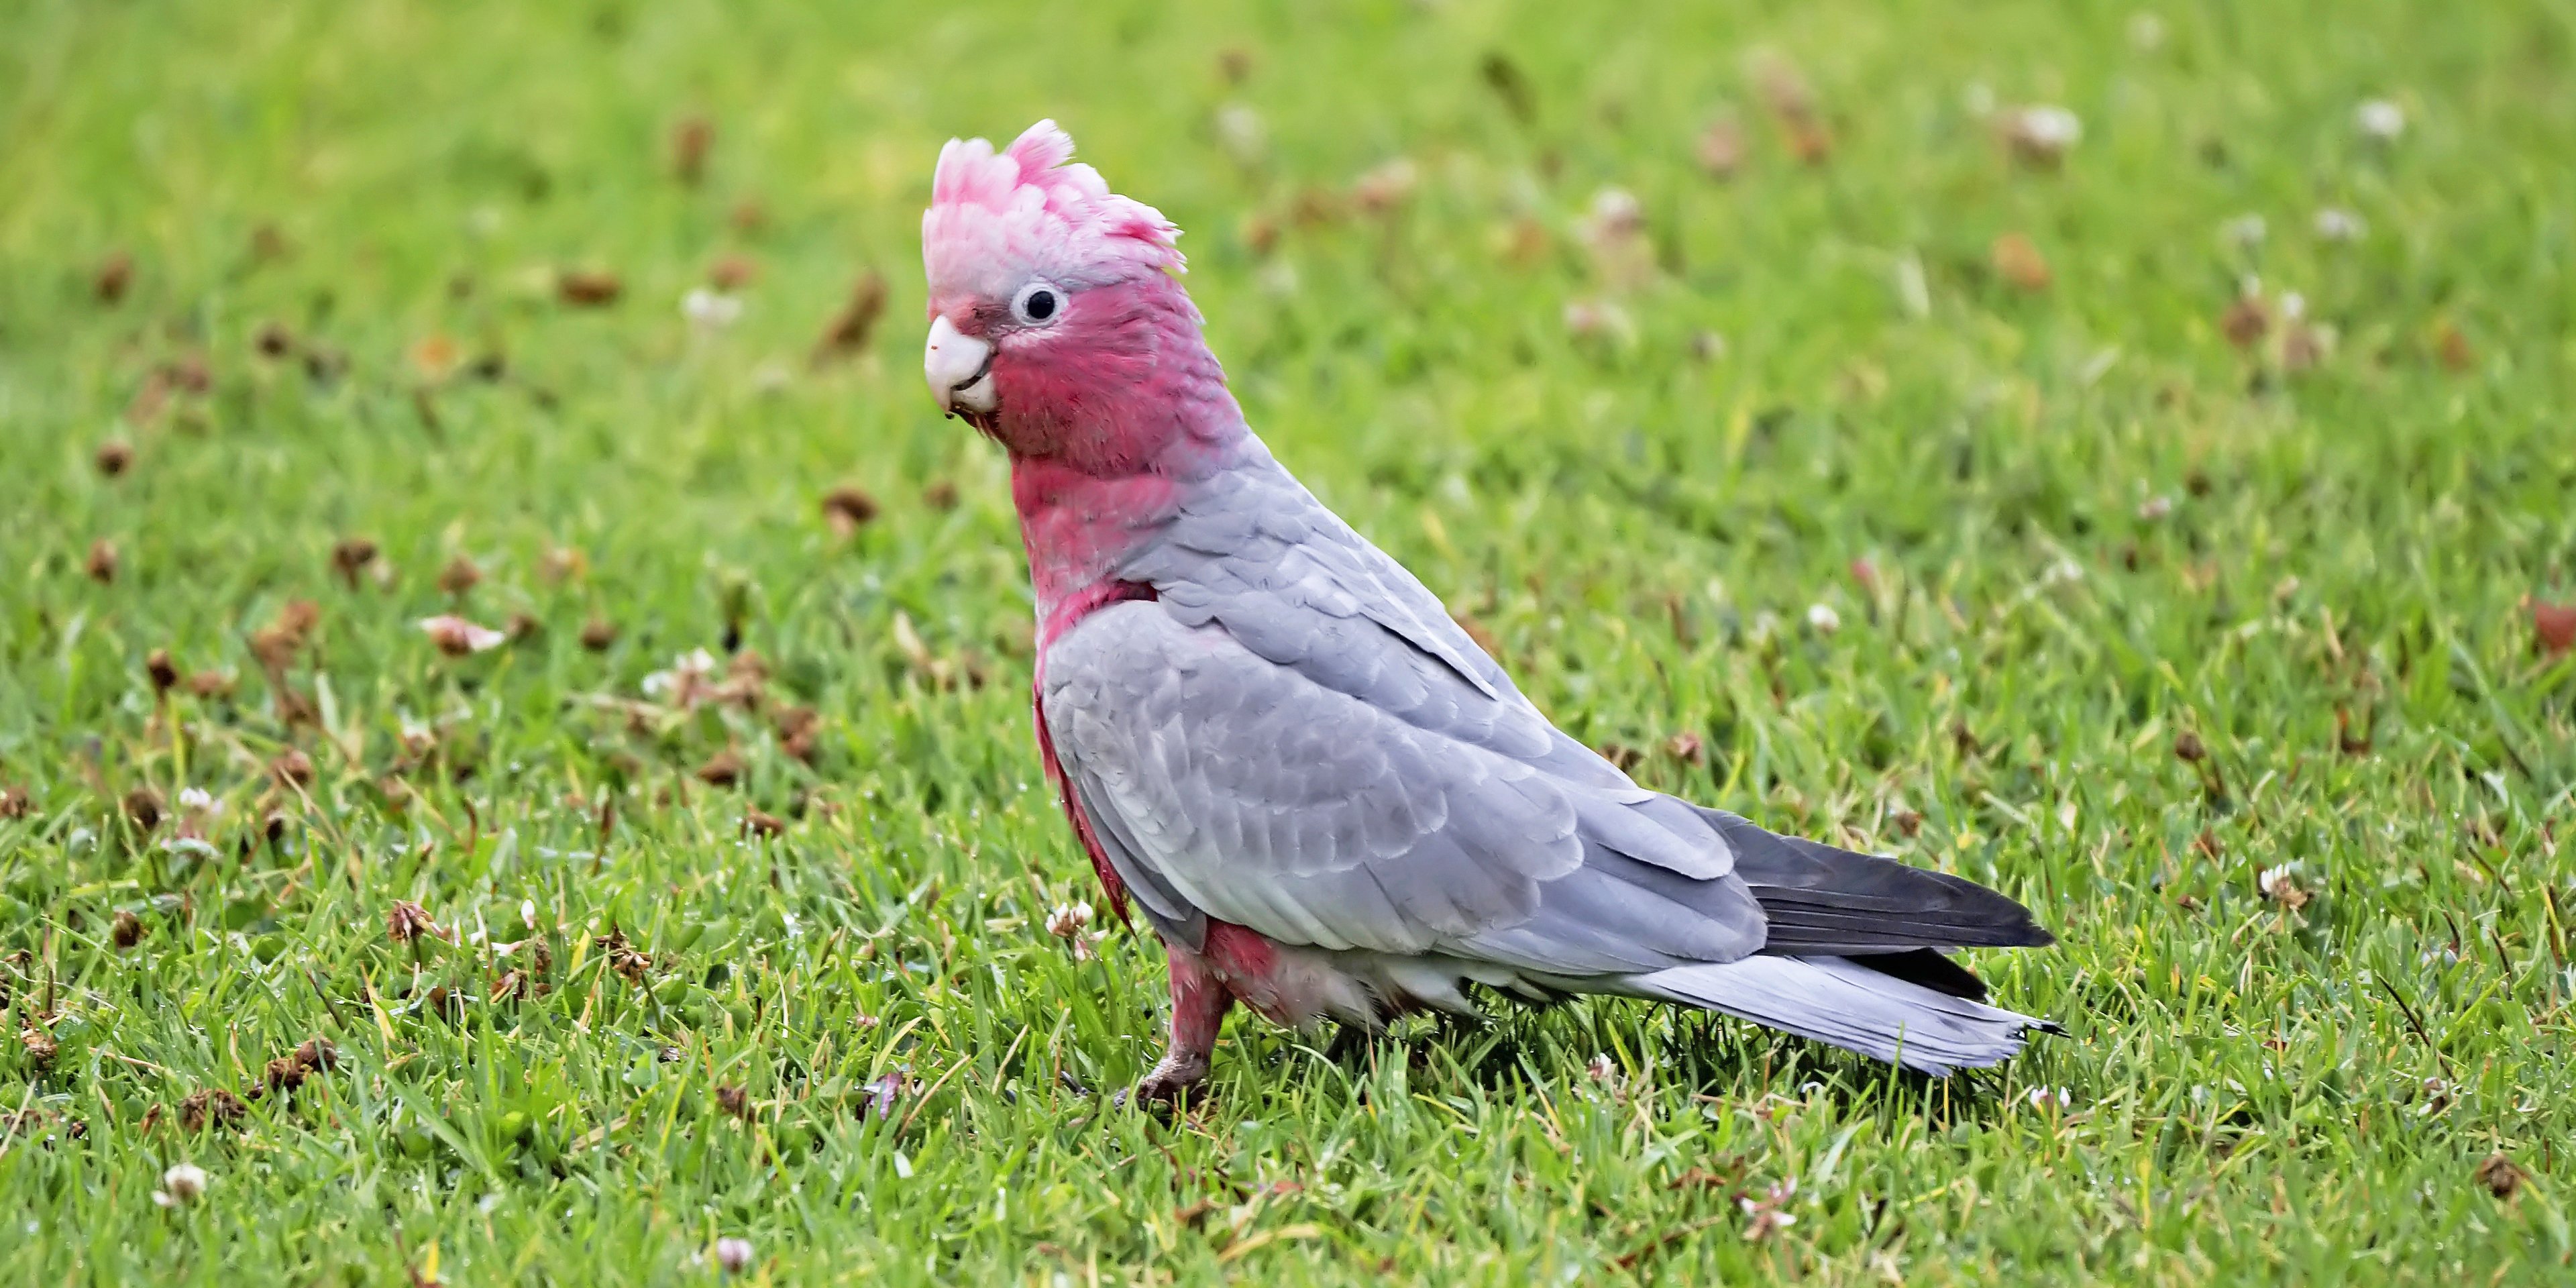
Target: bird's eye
point(1037, 304)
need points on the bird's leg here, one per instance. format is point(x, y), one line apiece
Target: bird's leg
point(1199, 1003)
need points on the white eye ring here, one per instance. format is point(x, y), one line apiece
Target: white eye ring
point(1039, 303)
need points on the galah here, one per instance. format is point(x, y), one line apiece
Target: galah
point(1328, 802)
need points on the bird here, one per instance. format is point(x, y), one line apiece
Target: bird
point(1277, 746)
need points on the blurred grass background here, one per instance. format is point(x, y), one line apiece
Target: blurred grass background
point(1788, 404)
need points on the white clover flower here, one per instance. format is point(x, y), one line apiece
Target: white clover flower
point(711, 310)
point(733, 1255)
point(2043, 132)
point(2336, 224)
point(1241, 132)
point(182, 1184)
point(1388, 186)
point(1599, 318)
point(1615, 217)
point(1068, 920)
point(2380, 119)
point(2244, 230)
point(457, 637)
point(1822, 619)
point(683, 682)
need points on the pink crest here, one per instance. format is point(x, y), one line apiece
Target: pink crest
point(1031, 210)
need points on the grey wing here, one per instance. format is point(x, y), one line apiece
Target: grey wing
point(1225, 784)
point(1253, 551)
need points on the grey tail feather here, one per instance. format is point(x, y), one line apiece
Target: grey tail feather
point(1819, 899)
point(1846, 1004)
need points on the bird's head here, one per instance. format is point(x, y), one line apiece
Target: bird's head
point(1057, 324)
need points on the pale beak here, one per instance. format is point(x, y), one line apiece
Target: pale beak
point(959, 367)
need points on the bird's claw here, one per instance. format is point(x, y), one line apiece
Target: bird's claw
point(1167, 1086)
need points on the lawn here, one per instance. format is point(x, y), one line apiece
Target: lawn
point(2160, 520)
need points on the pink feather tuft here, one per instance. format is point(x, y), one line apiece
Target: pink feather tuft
point(996, 219)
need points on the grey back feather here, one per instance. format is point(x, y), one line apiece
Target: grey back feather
point(1295, 737)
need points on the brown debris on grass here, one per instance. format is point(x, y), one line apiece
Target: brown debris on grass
point(213, 1107)
point(459, 578)
point(848, 331)
point(2451, 345)
point(588, 288)
point(125, 931)
point(161, 671)
point(406, 922)
point(114, 277)
point(597, 634)
point(2245, 322)
point(732, 272)
point(102, 562)
point(2502, 1176)
point(723, 769)
point(798, 726)
point(691, 140)
point(351, 556)
point(113, 457)
point(144, 809)
point(622, 956)
point(1720, 148)
point(33, 1122)
point(289, 1072)
point(276, 644)
point(2017, 260)
point(848, 509)
point(1785, 91)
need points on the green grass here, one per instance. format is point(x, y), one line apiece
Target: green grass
point(2254, 1091)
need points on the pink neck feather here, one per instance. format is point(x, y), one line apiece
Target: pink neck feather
point(1108, 423)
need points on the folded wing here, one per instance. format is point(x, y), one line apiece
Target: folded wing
point(1224, 784)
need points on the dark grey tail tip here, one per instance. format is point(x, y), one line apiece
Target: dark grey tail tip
point(2050, 1027)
